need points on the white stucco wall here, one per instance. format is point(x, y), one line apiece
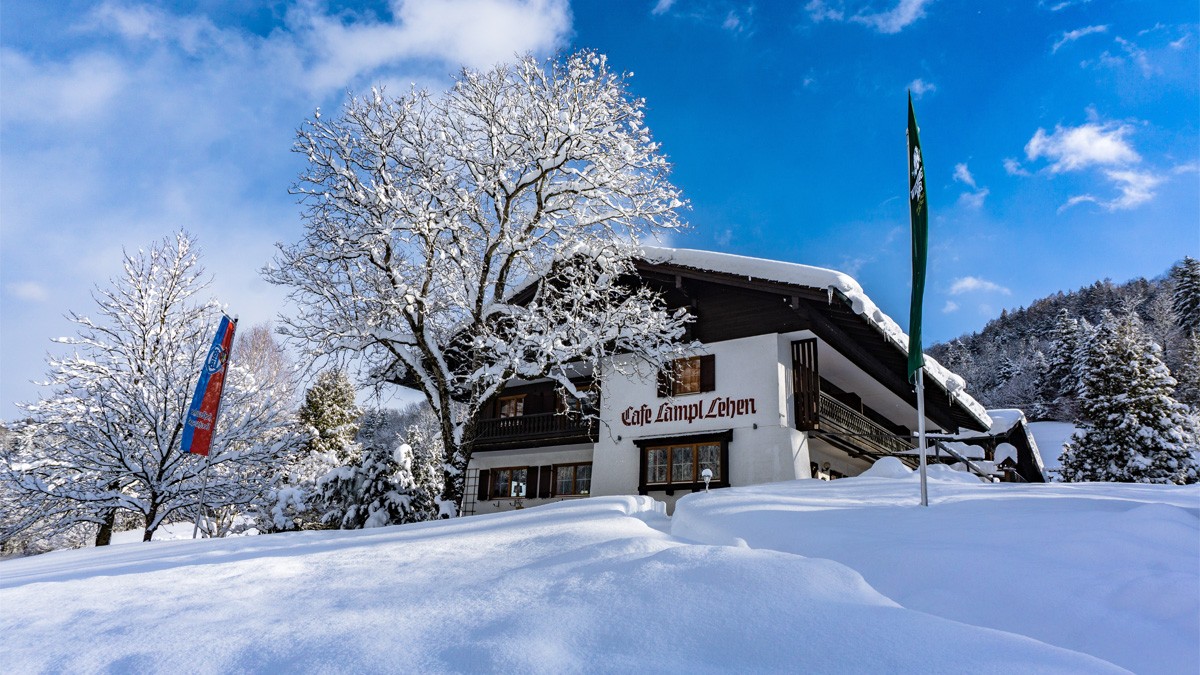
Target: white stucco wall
point(764, 447)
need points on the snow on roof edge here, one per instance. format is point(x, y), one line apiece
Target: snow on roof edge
point(823, 279)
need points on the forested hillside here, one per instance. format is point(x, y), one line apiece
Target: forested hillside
point(1011, 362)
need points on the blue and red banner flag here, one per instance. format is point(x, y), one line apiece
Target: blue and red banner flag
point(206, 403)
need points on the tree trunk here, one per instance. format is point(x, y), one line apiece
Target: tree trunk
point(104, 534)
point(151, 517)
point(455, 458)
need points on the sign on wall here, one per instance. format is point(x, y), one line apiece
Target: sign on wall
point(716, 408)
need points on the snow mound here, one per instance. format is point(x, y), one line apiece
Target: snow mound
point(1104, 569)
point(887, 467)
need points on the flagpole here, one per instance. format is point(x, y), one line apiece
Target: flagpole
point(203, 488)
point(216, 416)
point(921, 432)
point(918, 209)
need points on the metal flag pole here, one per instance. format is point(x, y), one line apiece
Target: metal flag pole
point(204, 471)
point(203, 488)
point(921, 432)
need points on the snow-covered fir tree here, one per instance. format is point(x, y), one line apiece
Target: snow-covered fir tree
point(378, 486)
point(1132, 430)
point(427, 214)
point(330, 418)
point(330, 414)
point(1059, 380)
point(1186, 298)
point(105, 441)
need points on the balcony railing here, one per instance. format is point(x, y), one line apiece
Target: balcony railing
point(539, 427)
point(852, 427)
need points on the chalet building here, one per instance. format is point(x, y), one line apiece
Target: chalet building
point(799, 375)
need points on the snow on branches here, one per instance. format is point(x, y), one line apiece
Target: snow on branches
point(106, 439)
point(431, 219)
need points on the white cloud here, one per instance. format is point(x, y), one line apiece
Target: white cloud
point(1073, 148)
point(475, 33)
point(950, 306)
point(976, 285)
point(818, 11)
point(1013, 168)
point(974, 200)
point(1134, 189)
point(77, 90)
point(1061, 4)
point(1073, 35)
point(30, 291)
point(920, 87)
point(963, 175)
point(894, 20)
point(662, 6)
point(904, 14)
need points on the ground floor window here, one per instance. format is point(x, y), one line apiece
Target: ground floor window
point(670, 463)
point(572, 480)
point(509, 483)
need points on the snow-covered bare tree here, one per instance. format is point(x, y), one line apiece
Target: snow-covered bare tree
point(1132, 428)
point(106, 439)
point(455, 242)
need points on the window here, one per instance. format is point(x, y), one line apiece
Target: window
point(572, 480)
point(511, 406)
point(672, 463)
point(683, 463)
point(692, 375)
point(509, 483)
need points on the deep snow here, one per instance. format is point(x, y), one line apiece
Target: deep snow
point(990, 578)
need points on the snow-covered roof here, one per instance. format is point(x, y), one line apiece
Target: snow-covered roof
point(826, 280)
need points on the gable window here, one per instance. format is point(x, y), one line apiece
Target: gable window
point(673, 463)
point(691, 375)
point(572, 480)
point(511, 406)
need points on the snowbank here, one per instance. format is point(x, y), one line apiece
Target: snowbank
point(591, 585)
point(1108, 570)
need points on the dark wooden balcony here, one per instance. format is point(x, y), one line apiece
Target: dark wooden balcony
point(854, 432)
point(532, 431)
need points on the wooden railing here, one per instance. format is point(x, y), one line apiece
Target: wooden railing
point(837, 418)
point(545, 425)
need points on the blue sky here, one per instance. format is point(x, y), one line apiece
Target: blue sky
point(1061, 137)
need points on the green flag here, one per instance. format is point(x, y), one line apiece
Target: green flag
point(918, 210)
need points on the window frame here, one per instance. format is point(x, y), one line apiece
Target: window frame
point(574, 466)
point(671, 377)
point(694, 441)
point(518, 399)
point(493, 482)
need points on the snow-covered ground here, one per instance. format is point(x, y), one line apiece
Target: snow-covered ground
point(1050, 437)
point(849, 576)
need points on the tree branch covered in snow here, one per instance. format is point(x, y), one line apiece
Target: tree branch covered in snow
point(431, 219)
point(106, 439)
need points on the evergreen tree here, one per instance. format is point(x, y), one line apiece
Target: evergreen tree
point(1186, 299)
point(331, 415)
point(378, 487)
point(1058, 381)
point(330, 418)
point(1132, 428)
